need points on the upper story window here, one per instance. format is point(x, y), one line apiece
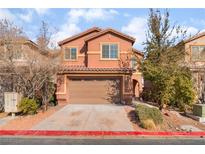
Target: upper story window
point(198, 53)
point(18, 55)
point(133, 62)
point(2, 52)
point(110, 51)
point(70, 53)
point(15, 52)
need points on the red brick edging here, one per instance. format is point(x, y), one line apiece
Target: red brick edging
point(95, 133)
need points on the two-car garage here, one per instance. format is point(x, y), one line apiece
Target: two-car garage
point(94, 90)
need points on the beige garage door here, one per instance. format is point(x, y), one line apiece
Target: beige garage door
point(94, 91)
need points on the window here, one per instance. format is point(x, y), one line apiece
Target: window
point(110, 51)
point(198, 53)
point(18, 53)
point(70, 53)
point(2, 52)
point(133, 62)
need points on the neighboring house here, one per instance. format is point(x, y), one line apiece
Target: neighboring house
point(195, 59)
point(99, 66)
point(20, 49)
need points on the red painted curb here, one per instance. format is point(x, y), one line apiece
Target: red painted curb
point(95, 133)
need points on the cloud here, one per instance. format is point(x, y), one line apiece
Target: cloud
point(91, 14)
point(114, 12)
point(191, 30)
point(203, 30)
point(74, 16)
point(126, 15)
point(27, 17)
point(136, 27)
point(41, 11)
point(65, 31)
point(6, 14)
point(197, 21)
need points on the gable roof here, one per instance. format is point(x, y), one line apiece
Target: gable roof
point(79, 35)
point(20, 40)
point(102, 32)
point(138, 52)
point(25, 41)
point(195, 37)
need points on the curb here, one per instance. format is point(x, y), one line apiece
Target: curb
point(96, 133)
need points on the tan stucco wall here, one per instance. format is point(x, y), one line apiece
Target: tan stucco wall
point(81, 50)
point(199, 41)
point(94, 51)
point(197, 74)
point(139, 86)
point(28, 51)
point(93, 54)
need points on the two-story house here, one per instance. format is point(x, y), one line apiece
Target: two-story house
point(195, 59)
point(99, 66)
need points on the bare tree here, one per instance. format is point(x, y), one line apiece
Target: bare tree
point(44, 37)
point(36, 79)
point(26, 69)
point(8, 34)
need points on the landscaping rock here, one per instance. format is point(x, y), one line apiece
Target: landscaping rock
point(190, 128)
point(177, 114)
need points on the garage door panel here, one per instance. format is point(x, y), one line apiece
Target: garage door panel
point(88, 101)
point(94, 91)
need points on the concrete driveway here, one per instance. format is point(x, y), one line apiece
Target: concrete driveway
point(87, 117)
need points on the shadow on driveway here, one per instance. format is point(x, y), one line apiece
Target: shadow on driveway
point(103, 117)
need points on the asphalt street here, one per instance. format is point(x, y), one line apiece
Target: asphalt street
point(99, 141)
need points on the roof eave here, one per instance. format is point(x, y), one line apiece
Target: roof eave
point(60, 43)
point(138, 52)
point(194, 37)
point(111, 30)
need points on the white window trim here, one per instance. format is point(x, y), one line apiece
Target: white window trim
point(109, 43)
point(70, 54)
point(192, 52)
point(131, 61)
point(22, 59)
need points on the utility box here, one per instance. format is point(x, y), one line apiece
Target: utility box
point(11, 100)
point(199, 110)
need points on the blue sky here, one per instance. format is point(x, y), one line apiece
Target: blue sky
point(71, 21)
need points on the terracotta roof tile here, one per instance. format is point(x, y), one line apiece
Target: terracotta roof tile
point(66, 68)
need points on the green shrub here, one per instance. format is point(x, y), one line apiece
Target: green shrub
point(144, 112)
point(148, 124)
point(28, 106)
point(147, 95)
point(185, 95)
point(53, 101)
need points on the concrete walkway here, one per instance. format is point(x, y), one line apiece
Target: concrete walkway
point(87, 118)
point(5, 120)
